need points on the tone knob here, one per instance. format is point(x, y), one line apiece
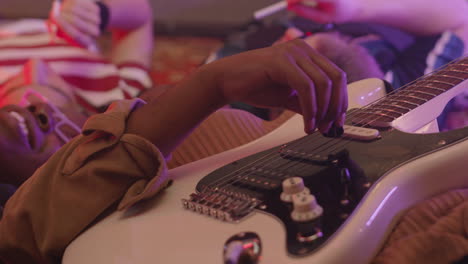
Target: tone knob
point(292, 186)
point(306, 208)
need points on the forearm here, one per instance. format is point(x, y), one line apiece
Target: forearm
point(422, 17)
point(268, 77)
point(128, 14)
point(167, 120)
point(133, 46)
point(131, 24)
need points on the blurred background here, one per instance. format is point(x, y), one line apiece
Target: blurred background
point(186, 31)
point(203, 17)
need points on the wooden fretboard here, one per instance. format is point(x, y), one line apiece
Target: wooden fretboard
point(411, 96)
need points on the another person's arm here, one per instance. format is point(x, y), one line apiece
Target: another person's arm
point(422, 17)
point(130, 22)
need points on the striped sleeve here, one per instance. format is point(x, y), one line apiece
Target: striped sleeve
point(96, 81)
point(135, 77)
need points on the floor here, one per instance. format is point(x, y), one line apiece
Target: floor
point(175, 57)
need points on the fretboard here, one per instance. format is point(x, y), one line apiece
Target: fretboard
point(411, 96)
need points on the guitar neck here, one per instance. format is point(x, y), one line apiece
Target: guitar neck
point(418, 103)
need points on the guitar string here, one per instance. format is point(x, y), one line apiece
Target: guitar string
point(402, 94)
point(309, 138)
point(301, 141)
point(226, 180)
point(402, 89)
point(336, 140)
point(272, 154)
point(338, 144)
point(449, 72)
point(397, 94)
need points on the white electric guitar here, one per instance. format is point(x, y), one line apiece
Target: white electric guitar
point(292, 198)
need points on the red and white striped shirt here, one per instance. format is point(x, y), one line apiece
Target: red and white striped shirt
point(96, 81)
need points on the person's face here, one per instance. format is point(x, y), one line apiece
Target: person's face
point(30, 134)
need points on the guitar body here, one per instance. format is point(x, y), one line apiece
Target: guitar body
point(378, 178)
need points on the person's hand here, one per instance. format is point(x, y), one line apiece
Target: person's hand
point(326, 11)
point(79, 19)
point(290, 75)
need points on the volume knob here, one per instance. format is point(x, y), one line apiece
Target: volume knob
point(293, 186)
point(306, 208)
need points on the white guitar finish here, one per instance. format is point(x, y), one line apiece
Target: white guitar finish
point(161, 231)
point(424, 114)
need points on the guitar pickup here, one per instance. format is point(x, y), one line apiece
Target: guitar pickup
point(360, 133)
point(304, 155)
point(323, 157)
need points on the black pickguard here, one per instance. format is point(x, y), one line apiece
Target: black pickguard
point(366, 162)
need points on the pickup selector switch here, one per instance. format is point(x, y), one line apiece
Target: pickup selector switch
point(293, 186)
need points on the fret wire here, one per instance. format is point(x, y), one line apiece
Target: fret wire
point(389, 110)
point(408, 102)
point(442, 76)
point(426, 93)
point(429, 87)
point(452, 63)
point(411, 96)
point(459, 68)
point(454, 77)
point(438, 81)
point(459, 71)
point(396, 105)
point(380, 114)
point(456, 68)
point(434, 84)
point(407, 91)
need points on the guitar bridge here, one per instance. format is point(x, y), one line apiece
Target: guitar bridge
point(221, 204)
